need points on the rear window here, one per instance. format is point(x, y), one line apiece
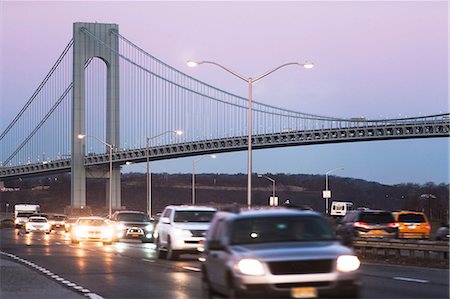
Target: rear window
point(381, 217)
point(413, 218)
point(193, 216)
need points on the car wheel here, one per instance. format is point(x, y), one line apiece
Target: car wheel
point(159, 253)
point(232, 291)
point(171, 254)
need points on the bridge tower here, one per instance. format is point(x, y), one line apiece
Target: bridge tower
point(86, 47)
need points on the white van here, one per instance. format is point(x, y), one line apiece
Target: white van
point(340, 208)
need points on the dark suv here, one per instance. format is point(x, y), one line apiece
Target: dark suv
point(132, 225)
point(277, 253)
point(368, 224)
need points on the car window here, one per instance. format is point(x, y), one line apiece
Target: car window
point(166, 213)
point(193, 216)
point(38, 220)
point(219, 230)
point(91, 222)
point(280, 229)
point(132, 217)
point(413, 218)
point(24, 214)
point(376, 217)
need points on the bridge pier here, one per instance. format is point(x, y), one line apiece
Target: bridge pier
point(85, 47)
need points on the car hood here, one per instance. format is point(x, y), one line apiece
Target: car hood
point(131, 223)
point(291, 250)
point(191, 225)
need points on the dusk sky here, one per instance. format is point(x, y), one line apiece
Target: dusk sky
point(373, 59)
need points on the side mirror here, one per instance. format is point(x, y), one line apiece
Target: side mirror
point(345, 240)
point(215, 245)
point(165, 220)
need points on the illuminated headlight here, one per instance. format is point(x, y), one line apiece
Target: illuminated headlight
point(347, 263)
point(250, 267)
point(149, 228)
point(28, 226)
point(47, 225)
point(107, 232)
point(182, 232)
point(120, 226)
point(81, 231)
point(16, 221)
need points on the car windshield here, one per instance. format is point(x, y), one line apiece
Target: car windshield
point(24, 214)
point(38, 220)
point(58, 218)
point(132, 217)
point(381, 217)
point(193, 216)
point(91, 222)
point(413, 218)
point(280, 229)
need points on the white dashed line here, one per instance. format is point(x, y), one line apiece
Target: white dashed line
point(146, 260)
point(58, 279)
point(192, 269)
point(411, 279)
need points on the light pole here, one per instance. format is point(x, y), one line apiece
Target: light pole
point(82, 136)
point(149, 176)
point(327, 193)
point(193, 175)
point(273, 183)
point(250, 82)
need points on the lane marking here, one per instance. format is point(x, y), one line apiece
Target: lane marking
point(411, 279)
point(147, 260)
point(58, 279)
point(192, 269)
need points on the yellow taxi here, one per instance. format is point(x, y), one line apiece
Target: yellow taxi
point(412, 225)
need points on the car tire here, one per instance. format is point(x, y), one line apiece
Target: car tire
point(233, 293)
point(171, 254)
point(159, 252)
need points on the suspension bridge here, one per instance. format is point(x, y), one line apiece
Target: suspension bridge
point(105, 86)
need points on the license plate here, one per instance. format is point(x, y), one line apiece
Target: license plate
point(135, 235)
point(378, 232)
point(303, 292)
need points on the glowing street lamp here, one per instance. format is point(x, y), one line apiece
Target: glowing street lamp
point(250, 81)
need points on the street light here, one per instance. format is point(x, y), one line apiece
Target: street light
point(273, 184)
point(149, 176)
point(193, 175)
point(82, 136)
point(250, 81)
point(327, 193)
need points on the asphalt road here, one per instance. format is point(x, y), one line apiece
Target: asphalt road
point(131, 270)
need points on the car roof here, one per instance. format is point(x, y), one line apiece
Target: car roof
point(191, 208)
point(409, 212)
point(130, 212)
point(267, 212)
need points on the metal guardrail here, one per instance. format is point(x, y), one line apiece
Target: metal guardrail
point(403, 248)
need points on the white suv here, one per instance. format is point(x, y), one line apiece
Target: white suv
point(182, 229)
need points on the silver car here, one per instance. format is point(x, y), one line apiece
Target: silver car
point(277, 253)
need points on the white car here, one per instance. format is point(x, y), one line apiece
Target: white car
point(182, 229)
point(38, 224)
point(94, 229)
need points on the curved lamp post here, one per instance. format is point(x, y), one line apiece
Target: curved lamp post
point(193, 174)
point(250, 81)
point(82, 136)
point(270, 179)
point(326, 187)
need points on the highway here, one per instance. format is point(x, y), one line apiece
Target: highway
point(131, 270)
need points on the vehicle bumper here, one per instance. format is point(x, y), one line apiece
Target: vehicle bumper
point(413, 235)
point(43, 230)
point(283, 287)
point(135, 233)
point(188, 245)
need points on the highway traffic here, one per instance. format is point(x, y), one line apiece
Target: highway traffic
point(131, 269)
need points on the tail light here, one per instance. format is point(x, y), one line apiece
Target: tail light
point(361, 224)
point(393, 224)
point(428, 226)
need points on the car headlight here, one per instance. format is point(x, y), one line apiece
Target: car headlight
point(81, 231)
point(16, 221)
point(27, 225)
point(107, 232)
point(47, 225)
point(182, 232)
point(250, 267)
point(149, 228)
point(347, 263)
point(120, 226)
